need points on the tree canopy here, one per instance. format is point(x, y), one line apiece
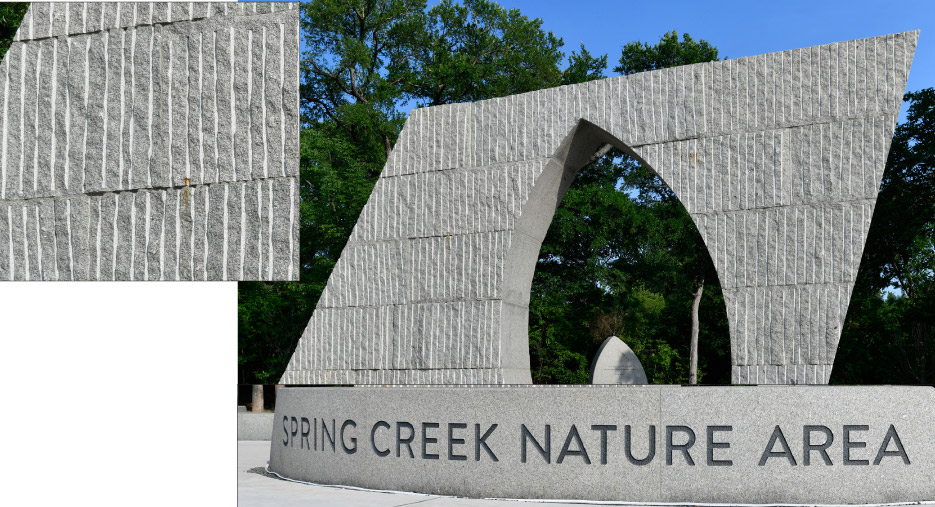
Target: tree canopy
point(11, 15)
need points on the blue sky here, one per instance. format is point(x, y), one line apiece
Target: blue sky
point(737, 28)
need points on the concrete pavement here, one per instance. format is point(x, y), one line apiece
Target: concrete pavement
point(256, 487)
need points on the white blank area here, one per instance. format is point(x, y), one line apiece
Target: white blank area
point(118, 393)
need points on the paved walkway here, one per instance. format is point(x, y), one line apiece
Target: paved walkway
point(256, 487)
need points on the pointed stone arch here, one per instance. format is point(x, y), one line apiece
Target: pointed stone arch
point(777, 158)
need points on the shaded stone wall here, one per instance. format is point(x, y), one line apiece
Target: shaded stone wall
point(150, 141)
point(777, 157)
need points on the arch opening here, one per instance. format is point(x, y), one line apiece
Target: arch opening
point(559, 306)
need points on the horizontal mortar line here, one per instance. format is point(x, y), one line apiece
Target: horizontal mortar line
point(810, 284)
point(98, 193)
point(779, 126)
point(807, 205)
point(394, 240)
point(471, 168)
point(791, 365)
point(453, 368)
point(159, 24)
point(513, 386)
point(410, 303)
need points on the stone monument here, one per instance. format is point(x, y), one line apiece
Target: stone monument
point(778, 159)
point(151, 141)
point(615, 363)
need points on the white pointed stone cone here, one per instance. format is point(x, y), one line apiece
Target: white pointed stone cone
point(615, 363)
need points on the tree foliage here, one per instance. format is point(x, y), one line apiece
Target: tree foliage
point(270, 319)
point(889, 333)
point(669, 52)
point(11, 15)
point(473, 51)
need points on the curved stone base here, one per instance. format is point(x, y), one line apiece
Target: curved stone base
point(730, 444)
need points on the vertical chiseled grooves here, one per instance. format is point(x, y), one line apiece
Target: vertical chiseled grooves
point(121, 153)
point(777, 157)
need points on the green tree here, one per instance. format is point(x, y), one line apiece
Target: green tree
point(889, 333)
point(583, 67)
point(473, 51)
point(11, 15)
point(270, 319)
point(668, 52)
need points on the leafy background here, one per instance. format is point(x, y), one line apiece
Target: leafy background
point(11, 14)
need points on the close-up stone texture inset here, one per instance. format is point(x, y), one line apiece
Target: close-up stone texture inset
point(151, 141)
point(778, 158)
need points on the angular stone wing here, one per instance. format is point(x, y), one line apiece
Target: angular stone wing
point(777, 157)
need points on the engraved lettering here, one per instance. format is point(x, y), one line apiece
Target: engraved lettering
point(848, 445)
point(581, 451)
point(808, 446)
point(373, 440)
point(482, 441)
point(900, 450)
point(546, 451)
point(769, 453)
point(408, 440)
point(348, 450)
point(306, 428)
point(428, 440)
point(670, 446)
point(452, 441)
point(652, 446)
point(712, 445)
point(604, 428)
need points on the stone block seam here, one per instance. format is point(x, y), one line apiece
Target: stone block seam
point(150, 141)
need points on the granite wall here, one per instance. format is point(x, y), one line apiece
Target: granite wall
point(150, 141)
point(777, 157)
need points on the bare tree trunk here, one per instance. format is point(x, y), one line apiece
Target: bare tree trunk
point(257, 405)
point(693, 362)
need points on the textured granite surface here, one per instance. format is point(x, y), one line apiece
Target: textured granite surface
point(846, 444)
point(150, 141)
point(777, 158)
point(254, 425)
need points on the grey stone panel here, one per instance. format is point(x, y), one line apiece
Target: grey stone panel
point(47, 239)
point(166, 234)
point(79, 225)
point(253, 425)
point(726, 463)
point(57, 19)
point(31, 241)
point(144, 103)
point(13, 123)
point(778, 159)
point(6, 242)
